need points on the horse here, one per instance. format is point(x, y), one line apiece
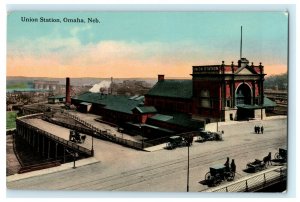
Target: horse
point(267, 159)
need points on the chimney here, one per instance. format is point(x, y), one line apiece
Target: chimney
point(68, 97)
point(243, 62)
point(161, 77)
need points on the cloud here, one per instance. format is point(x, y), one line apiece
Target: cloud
point(60, 57)
point(76, 30)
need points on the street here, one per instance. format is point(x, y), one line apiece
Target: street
point(124, 169)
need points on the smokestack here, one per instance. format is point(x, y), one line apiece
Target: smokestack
point(68, 97)
point(161, 77)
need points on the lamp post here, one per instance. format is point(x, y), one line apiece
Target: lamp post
point(74, 154)
point(93, 143)
point(141, 136)
point(188, 169)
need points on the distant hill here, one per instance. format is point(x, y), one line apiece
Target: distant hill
point(12, 81)
point(276, 82)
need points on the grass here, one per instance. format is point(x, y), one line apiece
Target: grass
point(11, 120)
point(17, 85)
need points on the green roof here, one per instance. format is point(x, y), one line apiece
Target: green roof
point(245, 106)
point(269, 103)
point(162, 117)
point(146, 109)
point(85, 103)
point(173, 89)
point(118, 103)
point(57, 97)
point(150, 126)
point(180, 119)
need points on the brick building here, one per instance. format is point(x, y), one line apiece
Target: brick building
point(215, 93)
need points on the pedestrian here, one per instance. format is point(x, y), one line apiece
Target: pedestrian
point(258, 129)
point(262, 129)
point(255, 129)
point(233, 166)
point(226, 164)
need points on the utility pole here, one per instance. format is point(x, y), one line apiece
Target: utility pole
point(188, 170)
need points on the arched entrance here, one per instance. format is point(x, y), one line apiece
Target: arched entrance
point(243, 95)
point(243, 102)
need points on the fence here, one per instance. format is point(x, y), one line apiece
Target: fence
point(67, 143)
point(254, 182)
point(105, 135)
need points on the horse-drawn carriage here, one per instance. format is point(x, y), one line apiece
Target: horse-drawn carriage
point(258, 165)
point(217, 174)
point(281, 156)
point(76, 137)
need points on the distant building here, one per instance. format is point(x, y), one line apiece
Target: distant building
point(56, 99)
point(46, 85)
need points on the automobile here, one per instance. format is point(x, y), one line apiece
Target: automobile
point(176, 141)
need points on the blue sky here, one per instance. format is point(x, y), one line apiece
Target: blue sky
point(164, 42)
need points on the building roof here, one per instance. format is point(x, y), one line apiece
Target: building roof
point(85, 103)
point(118, 103)
point(57, 97)
point(268, 102)
point(180, 119)
point(150, 126)
point(172, 89)
point(146, 109)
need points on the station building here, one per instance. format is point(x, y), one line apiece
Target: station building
point(215, 93)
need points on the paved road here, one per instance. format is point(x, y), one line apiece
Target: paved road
point(124, 169)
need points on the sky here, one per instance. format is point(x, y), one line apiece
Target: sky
point(142, 44)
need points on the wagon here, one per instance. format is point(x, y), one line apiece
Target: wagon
point(256, 165)
point(217, 174)
point(281, 155)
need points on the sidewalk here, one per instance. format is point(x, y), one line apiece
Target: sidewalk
point(212, 126)
point(155, 148)
point(62, 167)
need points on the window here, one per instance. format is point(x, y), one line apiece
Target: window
point(227, 103)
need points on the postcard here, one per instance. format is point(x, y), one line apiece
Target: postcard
point(147, 101)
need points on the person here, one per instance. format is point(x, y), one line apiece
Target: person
point(255, 129)
point(226, 164)
point(233, 166)
point(258, 129)
point(262, 129)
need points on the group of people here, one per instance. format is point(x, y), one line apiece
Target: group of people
point(258, 129)
point(231, 167)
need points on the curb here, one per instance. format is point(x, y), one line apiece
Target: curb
point(62, 167)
